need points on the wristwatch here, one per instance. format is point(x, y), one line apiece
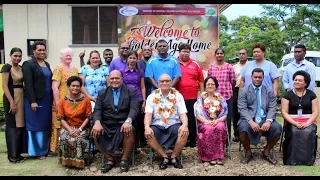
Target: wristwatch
point(80, 129)
point(129, 121)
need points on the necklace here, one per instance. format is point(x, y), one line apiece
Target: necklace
point(165, 105)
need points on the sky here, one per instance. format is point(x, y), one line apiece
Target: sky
point(236, 10)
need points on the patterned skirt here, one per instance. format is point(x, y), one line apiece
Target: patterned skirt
point(72, 148)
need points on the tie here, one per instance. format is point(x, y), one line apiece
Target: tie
point(258, 113)
point(116, 98)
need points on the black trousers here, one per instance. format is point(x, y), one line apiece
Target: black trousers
point(236, 114)
point(230, 114)
point(192, 138)
point(140, 140)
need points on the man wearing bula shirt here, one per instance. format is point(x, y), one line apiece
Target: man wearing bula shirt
point(191, 80)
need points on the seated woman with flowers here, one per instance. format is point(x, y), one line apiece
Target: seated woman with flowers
point(211, 111)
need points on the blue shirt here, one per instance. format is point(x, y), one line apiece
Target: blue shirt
point(117, 64)
point(157, 66)
point(271, 72)
point(293, 67)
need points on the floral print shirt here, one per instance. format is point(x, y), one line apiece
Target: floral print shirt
point(165, 110)
point(95, 79)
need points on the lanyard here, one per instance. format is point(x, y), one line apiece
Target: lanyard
point(298, 97)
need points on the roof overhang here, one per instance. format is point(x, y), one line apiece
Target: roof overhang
point(223, 7)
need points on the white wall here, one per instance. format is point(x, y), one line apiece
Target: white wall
point(42, 21)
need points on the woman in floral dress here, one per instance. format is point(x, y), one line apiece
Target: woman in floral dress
point(59, 87)
point(94, 76)
point(211, 111)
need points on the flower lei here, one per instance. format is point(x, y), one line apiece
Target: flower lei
point(165, 108)
point(212, 108)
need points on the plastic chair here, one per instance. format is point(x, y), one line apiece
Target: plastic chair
point(228, 145)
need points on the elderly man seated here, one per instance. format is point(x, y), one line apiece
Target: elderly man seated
point(257, 107)
point(115, 109)
point(166, 122)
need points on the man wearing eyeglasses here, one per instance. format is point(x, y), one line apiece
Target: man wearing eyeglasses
point(299, 63)
point(163, 63)
point(243, 59)
point(121, 61)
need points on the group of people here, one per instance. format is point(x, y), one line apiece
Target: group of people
point(160, 101)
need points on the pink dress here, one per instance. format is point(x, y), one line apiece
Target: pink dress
point(211, 140)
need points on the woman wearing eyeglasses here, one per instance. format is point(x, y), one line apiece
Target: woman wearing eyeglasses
point(211, 111)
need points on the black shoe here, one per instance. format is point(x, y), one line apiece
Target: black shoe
point(107, 166)
point(124, 166)
point(164, 163)
point(269, 158)
point(177, 163)
point(246, 158)
point(235, 139)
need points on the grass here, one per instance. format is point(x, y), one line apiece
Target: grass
point(31, 167)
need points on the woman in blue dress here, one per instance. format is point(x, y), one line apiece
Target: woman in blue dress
point(37, 101)
point(271, 72)
point(94, 76)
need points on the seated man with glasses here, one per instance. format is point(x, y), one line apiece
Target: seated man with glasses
point(163, 63)
point(166, 122)
point(115, 109)
point(257, 107)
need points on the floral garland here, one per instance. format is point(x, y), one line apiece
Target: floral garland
point(212, 108)
point(165, 108)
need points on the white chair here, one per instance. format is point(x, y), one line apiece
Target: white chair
point(228, 148)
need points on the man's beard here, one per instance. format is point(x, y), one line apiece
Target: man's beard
point(147, 58)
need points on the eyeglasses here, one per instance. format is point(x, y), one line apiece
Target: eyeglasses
point(162, 81)
point(297, 51)
point(210, 84)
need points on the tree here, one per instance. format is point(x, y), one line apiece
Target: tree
point(299, 22)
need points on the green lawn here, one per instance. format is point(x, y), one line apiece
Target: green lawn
point(31, 167)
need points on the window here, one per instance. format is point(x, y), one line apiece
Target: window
point(94, 25)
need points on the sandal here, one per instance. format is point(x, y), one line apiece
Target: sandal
point(42, 157)
point(214, 162)
point(22, 159)
point(164, 163)
point(14, 160)
point(124, 166)
point(176, 163)
point(220, 162)
point(107, 166)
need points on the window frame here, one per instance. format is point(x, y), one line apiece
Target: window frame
point(98, 9)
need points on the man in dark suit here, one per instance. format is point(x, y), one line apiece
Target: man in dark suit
point(257, 108)
point(115, 109)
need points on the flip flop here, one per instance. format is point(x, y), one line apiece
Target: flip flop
point(214, 162)
point(42, 157)
point(22, 159)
